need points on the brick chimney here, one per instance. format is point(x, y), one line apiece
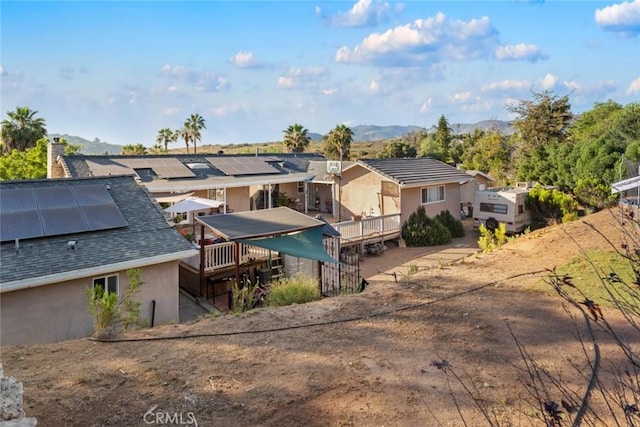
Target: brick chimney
point(54, 149)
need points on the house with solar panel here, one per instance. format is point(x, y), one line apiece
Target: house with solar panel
point(62, 236)
point(240, 182)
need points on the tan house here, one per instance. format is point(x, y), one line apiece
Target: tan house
point(373, 187)
point(480, 181)
point(241, 182)
point(60, 237)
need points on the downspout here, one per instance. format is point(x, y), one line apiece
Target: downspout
point(203, 281)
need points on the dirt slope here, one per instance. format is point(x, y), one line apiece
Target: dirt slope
point(366, 362)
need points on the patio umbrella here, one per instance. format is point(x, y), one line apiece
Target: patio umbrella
point(191, 204)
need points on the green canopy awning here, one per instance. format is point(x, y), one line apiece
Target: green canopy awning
point(306, 244)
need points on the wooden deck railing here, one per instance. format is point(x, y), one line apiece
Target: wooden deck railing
point(220, 255)
point(384, 226)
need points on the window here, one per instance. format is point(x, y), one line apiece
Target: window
point(520, 209)
point(301, 187)
point(433, 194)
point(107, 283)
point(493, 208)
point(216, 194)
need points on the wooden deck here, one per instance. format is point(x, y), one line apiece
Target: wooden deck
point(369, 230)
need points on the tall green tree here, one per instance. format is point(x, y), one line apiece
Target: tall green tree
point(22, 129)
point(444, 138)
point(296, 138)
point(541, 127)
point(488, 152)
point(194, 125)
point(164, 138)
point(397, 149)
point(338, 143)
point(25, 164)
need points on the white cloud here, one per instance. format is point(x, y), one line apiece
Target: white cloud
point(172, 89)
point(363, 13)
point(518, 52)
point(230, 109)
point(507, 85)
point(374, 86)
point(285, 82)
point(201, 81)
point(306, 78)
point(244, 60)
point(549, 81)
point(329, 91)
point(426, 105)
point(170, 111)
point(570, 85)
point(461, 96)
point(424, 42)
point(634, 87)
point(622, 17)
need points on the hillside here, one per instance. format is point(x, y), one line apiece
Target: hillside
point(361, 134)
point(89, 147)
point(365, 359)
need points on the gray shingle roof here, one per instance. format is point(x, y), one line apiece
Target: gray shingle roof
point(146, 236)
point(415, 171)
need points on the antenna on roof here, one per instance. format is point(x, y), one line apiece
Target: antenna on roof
point(17, 245)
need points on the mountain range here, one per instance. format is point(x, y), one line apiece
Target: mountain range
point(361, 133)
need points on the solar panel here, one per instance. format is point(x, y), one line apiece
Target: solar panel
point(106, 167)
point(53, 211)
point(17, 200)
point(242, 165)
point(55, 197)
point(164, 168)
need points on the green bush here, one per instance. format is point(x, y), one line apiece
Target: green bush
point(594, 194)
point(551, 205)
point(420, 230)
point(244, 298)
point(111, 313)
point(454, 225)
point(298, 289)
point(491, 240)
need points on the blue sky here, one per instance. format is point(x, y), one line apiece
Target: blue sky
point(120, 71)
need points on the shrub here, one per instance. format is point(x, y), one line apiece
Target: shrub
point(594, 194)
point(551, 205)
point(244, 298)
point(491, 240)
point(453, 224)
point(298, 289)
point(438, 234)
point(111, 313)
point(420, 230)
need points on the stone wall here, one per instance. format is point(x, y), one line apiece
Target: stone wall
point(11, 413)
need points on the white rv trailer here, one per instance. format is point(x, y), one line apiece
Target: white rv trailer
point(502, 205)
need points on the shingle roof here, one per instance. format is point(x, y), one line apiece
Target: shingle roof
point(146, 236)
point(415, 171)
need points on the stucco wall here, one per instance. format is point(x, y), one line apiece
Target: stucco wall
point(361, 190)
point(59, 312)
point(412, 198)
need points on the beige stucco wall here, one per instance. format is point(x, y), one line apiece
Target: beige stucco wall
point(361, 192)
point(59, 312)
point(412, 198)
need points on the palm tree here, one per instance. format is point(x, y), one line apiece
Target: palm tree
point(134, 149)
point(296, 138)
point(195, 123)
point(22, 129)
point(164, 137)
point(185, 134)
point(339, 143)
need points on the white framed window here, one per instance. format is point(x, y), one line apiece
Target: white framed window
point(433, 194)
point(494, 208)
point(107, 283)
point(300, 186)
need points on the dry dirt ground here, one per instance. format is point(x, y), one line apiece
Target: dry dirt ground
point(352, 360)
